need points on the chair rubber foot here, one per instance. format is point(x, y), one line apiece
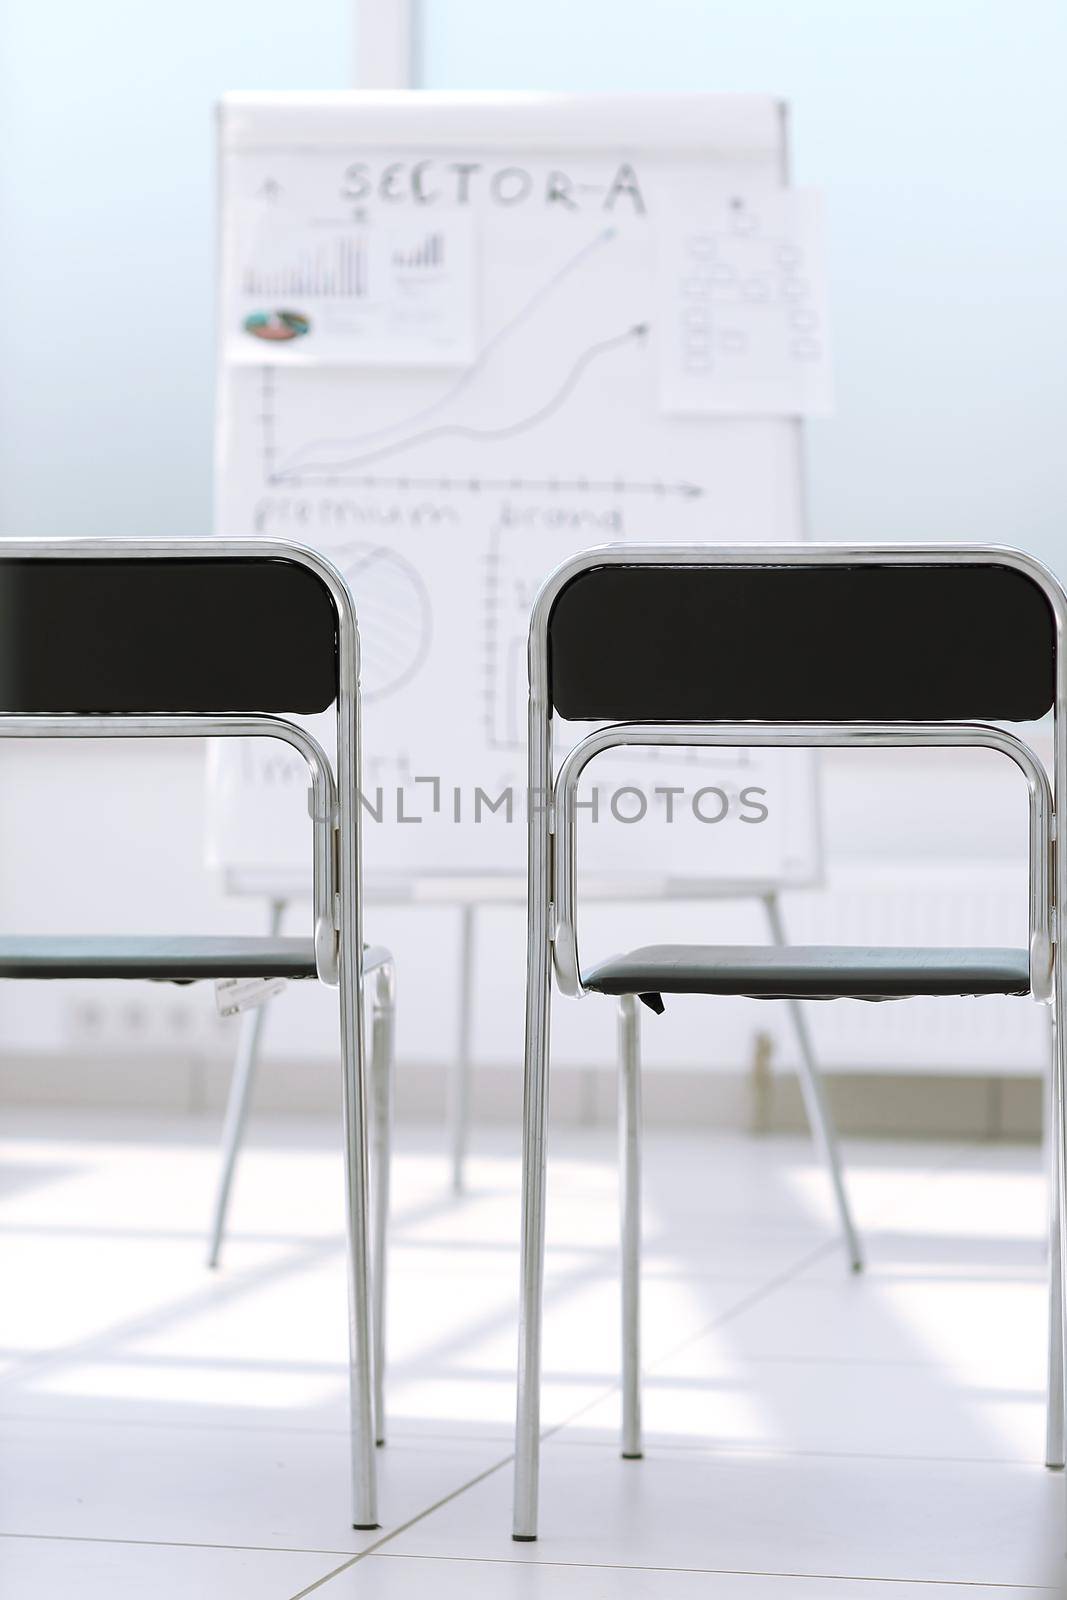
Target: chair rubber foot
point(379, 1444)
point(1054, 1466)
point(856, 1267)
point(632, 1455)
point(524, 1538)
point(366, 1527)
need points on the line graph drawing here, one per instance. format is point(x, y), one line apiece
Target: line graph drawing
point(635, 335)
point(298, 457)
point(517, 485)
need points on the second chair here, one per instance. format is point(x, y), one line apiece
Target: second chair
point(790, 646)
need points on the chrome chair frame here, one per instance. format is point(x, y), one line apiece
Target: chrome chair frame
point(552, 941)
point(338, 931)
point(378, 964)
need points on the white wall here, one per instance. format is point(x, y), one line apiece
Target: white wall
point(107, 217)
point(106, 272)
point(937, 129)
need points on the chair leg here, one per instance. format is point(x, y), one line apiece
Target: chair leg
point(532, 1267)
point(630, 1216)
point(246, 1061)
point(459, 1078)
point(819, 1116)
point(1056, 1400)
point(383, 1036)
point(360, 1315)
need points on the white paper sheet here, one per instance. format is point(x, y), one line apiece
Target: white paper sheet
point(743, 305)
point(316, 273)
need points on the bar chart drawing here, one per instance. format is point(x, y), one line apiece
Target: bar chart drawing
point(336, 269)
point(428, 255)
point(375, 289)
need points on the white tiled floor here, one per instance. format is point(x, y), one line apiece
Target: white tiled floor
point(170, 1431)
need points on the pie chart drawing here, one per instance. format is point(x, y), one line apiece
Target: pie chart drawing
point(393, 614)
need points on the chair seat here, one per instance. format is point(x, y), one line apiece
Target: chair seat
point(167, 960)
point(810, 972)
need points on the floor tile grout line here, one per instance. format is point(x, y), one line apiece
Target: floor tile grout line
point(741, 1306)
point(747, 1302)
point(173, 1544)
point(787, 1275)
point(945, 1165)
point(784, 1453)
point(752, 1298)
point(461, 1489)
point(769, 1287)
point(713, 1572)
point(394, 1533)
point(777, 1281)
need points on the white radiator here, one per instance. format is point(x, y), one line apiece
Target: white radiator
point(864, 902)
point(920, 903)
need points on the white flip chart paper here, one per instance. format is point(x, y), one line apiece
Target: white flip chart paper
point(488, 438)
point(743, 304)
point(319, 269)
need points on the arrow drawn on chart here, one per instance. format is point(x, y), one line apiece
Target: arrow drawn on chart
point(455, 430)
point(687, 491)
point(467, 377)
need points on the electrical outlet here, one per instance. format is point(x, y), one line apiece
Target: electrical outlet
point(132, 1019)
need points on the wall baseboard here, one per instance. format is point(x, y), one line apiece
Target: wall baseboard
point(756, 1100)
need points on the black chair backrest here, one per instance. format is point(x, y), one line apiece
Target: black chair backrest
point(152, 634)
point(831, 643)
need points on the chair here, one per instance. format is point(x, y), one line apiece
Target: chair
point(787, 646)
point(118, 638)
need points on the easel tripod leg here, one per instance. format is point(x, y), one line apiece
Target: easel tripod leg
point(820, 1119)
point(246, 1062)
point(459, 1078)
